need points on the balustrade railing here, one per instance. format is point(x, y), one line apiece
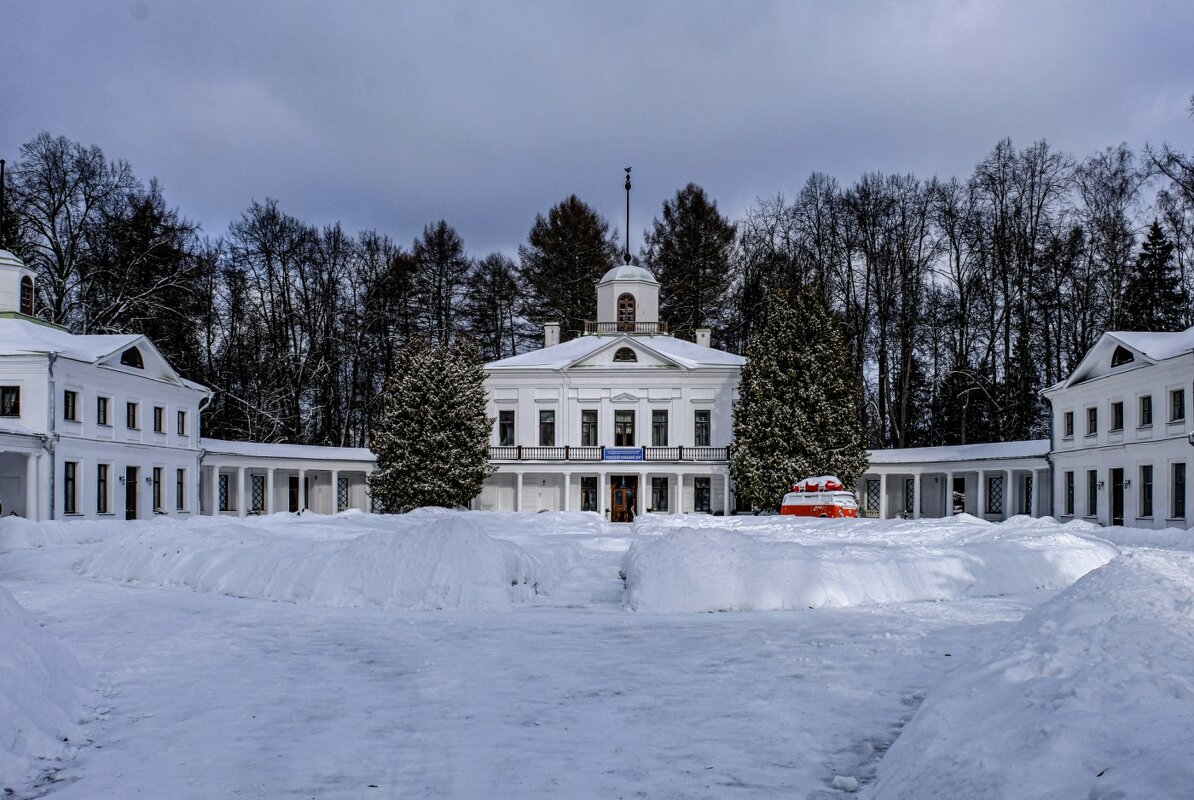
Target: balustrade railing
point(616, 454)
point(625, 327)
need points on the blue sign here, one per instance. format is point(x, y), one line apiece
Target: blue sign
point(623, 454)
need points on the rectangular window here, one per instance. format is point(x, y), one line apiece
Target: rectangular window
point(1069, 424)
point(130, 417)
point(70, 406)
point(1146, 490)
point(1069, 494)
point(157, 490)
point(702, 496)
point(222, 499)
point(872, 494)
point(624, 428)
point(659, 494)
point(506, 428)
point(1092, 493)
point(1092, 421)
point(70, 487)
point(995, 494)
point(1177, 405)
point(180, 489)
point(341, 493)
point(700, 432)
point(159, 419)
point(258, 490)
point(588, 427)
point(182, 423)
point(101, 411)
point(588, 493)
point(1179, 491)
point(10, 401)
point(1146, 411)
point(1117, 416)
point(547, 428)
point(659, 428)
point(101, 488)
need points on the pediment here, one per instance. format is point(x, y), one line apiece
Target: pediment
point(625, 353)
point(1108, 356)
point(625, 397)
point(152, 364)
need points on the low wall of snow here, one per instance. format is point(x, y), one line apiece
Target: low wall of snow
point(809, 565)
point(1091, 697)
point(420, 562)
point(41, 688)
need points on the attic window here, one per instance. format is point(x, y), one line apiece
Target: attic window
point(1122, 356)
point(132, 358)
point(27, 296)
point(625, 354)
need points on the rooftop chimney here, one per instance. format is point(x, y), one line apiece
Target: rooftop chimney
point(551, 334)
point(702, 336)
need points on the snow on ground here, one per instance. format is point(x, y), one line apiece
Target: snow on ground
point(778, 563)
point(1093, 697)
point(206, 686)
point(40, 695)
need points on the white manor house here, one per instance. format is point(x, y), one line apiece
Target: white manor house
point(622, 420)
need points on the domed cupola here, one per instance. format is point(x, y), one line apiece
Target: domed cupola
point(628, 301)
point(17, 284)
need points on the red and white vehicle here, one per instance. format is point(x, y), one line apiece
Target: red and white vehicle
point(823, 496)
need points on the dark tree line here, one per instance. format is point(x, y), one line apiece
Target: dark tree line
point(959, 299)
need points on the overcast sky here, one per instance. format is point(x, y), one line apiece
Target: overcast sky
point(392, 115)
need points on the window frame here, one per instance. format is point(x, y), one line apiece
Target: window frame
point(70, 405)
point(505, 423)
point(702, 427)
point(1117, 416)
point(624, 427)
point(659, 493)
point(102, 410)
point(1177, 405)
point(1092, 493)
point(181, 417)
point(159, 419)
point(13, 393)
point(659, 427)
point(1145, 409)
point(223, 492)
point(547, 427)
point(28, 296)
point(1092, 420)
point(158, 493)
point(103, 488)
point(132, 415)
point(1146, 490)
point(702, 494)
point(1178, 498)
point(70, 487)
point(180, 489)
point(1067, 425)
point(1068, 491)
point(589, 427)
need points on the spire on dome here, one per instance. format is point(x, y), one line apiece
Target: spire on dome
point(626, 253)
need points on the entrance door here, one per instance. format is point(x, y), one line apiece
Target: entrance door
point(958, 499)
point(294, 493)
point(1117, 497)
point(623, 497)
point(130, 492)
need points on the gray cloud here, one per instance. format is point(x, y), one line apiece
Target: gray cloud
point(392, 115)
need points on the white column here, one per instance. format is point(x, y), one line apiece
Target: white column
point(242, 504)
point(679, 493)
point(1036, 493)
point(949, 494)
point(602, 489)
point(883, 495)
point(1009, 494)
point(518, 491)
point(302, 490)
point(725, 503)
point(916, 495)
point(644, 491)
point(335, 490)
point(567, 491)
point(269, 490)
point(980, 507)
point(32, 510)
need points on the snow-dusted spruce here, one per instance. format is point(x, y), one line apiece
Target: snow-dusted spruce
point(1154, 297)
point(432, 444)
point(798, 412)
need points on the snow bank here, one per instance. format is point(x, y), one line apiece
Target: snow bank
point(40, 695)
point(811, 565)
point(17, 533)
point(1092, 697)
point(425, 561)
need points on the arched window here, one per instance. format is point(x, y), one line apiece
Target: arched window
point(626, 313)
point(625, 354)
point(27, 296)
point(132, 358)
point(1122, 355)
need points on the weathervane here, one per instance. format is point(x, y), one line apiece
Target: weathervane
point(626, 255)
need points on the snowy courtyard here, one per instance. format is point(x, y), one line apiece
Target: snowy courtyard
point(458, 655)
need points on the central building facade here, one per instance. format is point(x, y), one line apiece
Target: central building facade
point(623, 420)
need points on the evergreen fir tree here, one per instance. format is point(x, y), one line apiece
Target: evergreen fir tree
point(689, 252)
point(798, 412)
point(1154, 298)
point(432, 445)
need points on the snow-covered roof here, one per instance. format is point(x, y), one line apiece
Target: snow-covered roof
point(1146, 347)
point(305, 452)
point(628, 272)
point(1038, 448)
point(8, 426)
point(26, 337)
point(1157, 346)
point(561, 356)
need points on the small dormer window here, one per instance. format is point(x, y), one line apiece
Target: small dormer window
point(132, 358)
point(1122, 356)
point(27, 296)
point(625, 354)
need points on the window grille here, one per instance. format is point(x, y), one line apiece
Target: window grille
point(223, 492)
point(995, 494)
point(1027, 495)
point(872, 494)
point(702, 499)
point(258, 490)
point(341, 493)
point(659, 494)
point(909, 496)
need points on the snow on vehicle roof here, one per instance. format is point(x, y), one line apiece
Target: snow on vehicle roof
point(962, 452)
point(686, 354)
